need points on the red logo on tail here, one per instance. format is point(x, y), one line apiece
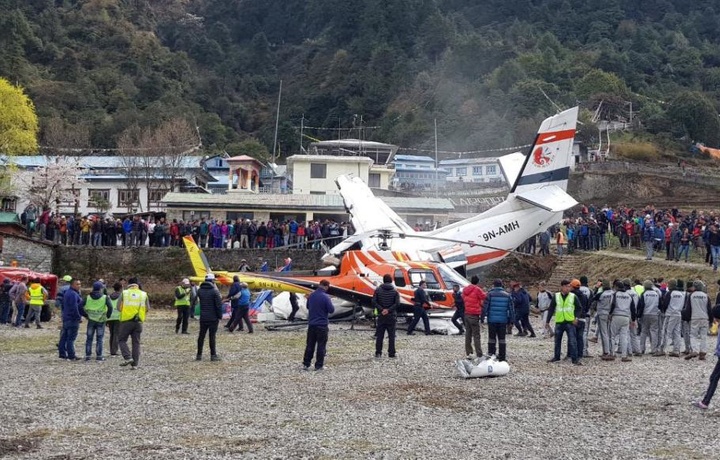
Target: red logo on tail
point(542, 157)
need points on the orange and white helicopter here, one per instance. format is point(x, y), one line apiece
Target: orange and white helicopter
point(355, 279)
point(536, 201)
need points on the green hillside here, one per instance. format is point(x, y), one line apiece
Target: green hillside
point(488, 71)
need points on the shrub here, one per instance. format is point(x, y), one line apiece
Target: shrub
point(638, 151)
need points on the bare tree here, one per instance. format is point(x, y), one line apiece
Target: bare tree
point(129, 144)
point(73, 141)
point(175, 141)
point(52, 184)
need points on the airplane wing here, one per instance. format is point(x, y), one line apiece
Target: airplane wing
point(551, 198)
point(367, 212)
point(511, 165)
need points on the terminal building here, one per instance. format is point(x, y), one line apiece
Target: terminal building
point(314, 194)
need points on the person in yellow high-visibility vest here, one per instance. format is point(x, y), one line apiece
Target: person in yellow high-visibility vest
point(133, 306)
point(566, 307)
point(35, 296)
point(97, 310)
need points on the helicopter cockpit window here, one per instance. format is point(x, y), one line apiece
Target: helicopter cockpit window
point(424, 275)
point(450, 277)
point(399, 278)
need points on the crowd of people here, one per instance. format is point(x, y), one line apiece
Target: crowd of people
point(625, 318)
point(136, 230)
point(667, 232)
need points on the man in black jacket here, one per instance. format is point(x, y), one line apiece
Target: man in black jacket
point(420, 301)
point(385, 302)
point(210, 315)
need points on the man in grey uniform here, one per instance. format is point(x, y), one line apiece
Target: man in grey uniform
point(622, 318)
point(649, 316)
point(634, 335)
point(604, 303)
point(672, 304)
point(698, 305)
point(685, 324)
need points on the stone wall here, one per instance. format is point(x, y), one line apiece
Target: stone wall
point(27, 252)
point(166, 264)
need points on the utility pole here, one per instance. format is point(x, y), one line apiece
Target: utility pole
point(302, 128)
point(436, 160)
point(277, 122)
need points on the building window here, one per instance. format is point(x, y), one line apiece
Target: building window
point(374, 180)
point(9, 204)
point(157, 194)
point(477, 170)
point(461, 172)
point(127, 197)
point(99, 193)
point(70, 197)
point(318, 170)
point(317, 193)
point(189, 216)
point(491, 170)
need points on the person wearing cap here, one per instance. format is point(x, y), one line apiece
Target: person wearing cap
point(648, 313)
point(5, 301)
point(133, 306)
point(210, 316)
point(699, 314)
point(113, 321)
point(498, 309)
point(97, 310)
point(672, 305)
point(565, 307)
point(64, 286)
point(287, 265)
point(576, 286)
point(244, 267)
point(183, 294)
point(319, 307)
point(622, 319)
point(715, 375)
point(473, 297)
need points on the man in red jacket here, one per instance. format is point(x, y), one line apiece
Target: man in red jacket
point(473, 296)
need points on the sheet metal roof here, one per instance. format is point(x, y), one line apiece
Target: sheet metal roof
point(298, 201)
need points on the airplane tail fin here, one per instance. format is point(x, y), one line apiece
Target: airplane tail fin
point(551, 154)
point(197, 258)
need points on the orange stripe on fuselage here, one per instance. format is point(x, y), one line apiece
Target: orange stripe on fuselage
point(485, 256)
point(546, 138)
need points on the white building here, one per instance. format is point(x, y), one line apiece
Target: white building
point(106, 183)
point(417, 172)
point(316, 174)
point(473, 170)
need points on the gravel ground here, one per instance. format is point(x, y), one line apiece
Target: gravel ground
point(257, 403)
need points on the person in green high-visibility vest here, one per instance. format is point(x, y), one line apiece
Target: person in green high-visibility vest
point(183, 294)
point(97, 310)
point(113, 321)
point(566, 307)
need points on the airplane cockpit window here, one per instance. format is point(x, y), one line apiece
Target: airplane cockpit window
point(399, 278)
point(450, 277)
point(424, 275)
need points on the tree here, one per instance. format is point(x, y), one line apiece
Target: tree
point(18, 121)
point(693, 114)
point(52, 184)
point(250, 147)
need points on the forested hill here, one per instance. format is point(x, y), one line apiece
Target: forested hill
point(486, 70)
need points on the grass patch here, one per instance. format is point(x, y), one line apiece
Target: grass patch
point(31, 343)
point(637, 151)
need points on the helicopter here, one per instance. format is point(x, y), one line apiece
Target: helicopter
point(355, 279)
point(536, 201)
